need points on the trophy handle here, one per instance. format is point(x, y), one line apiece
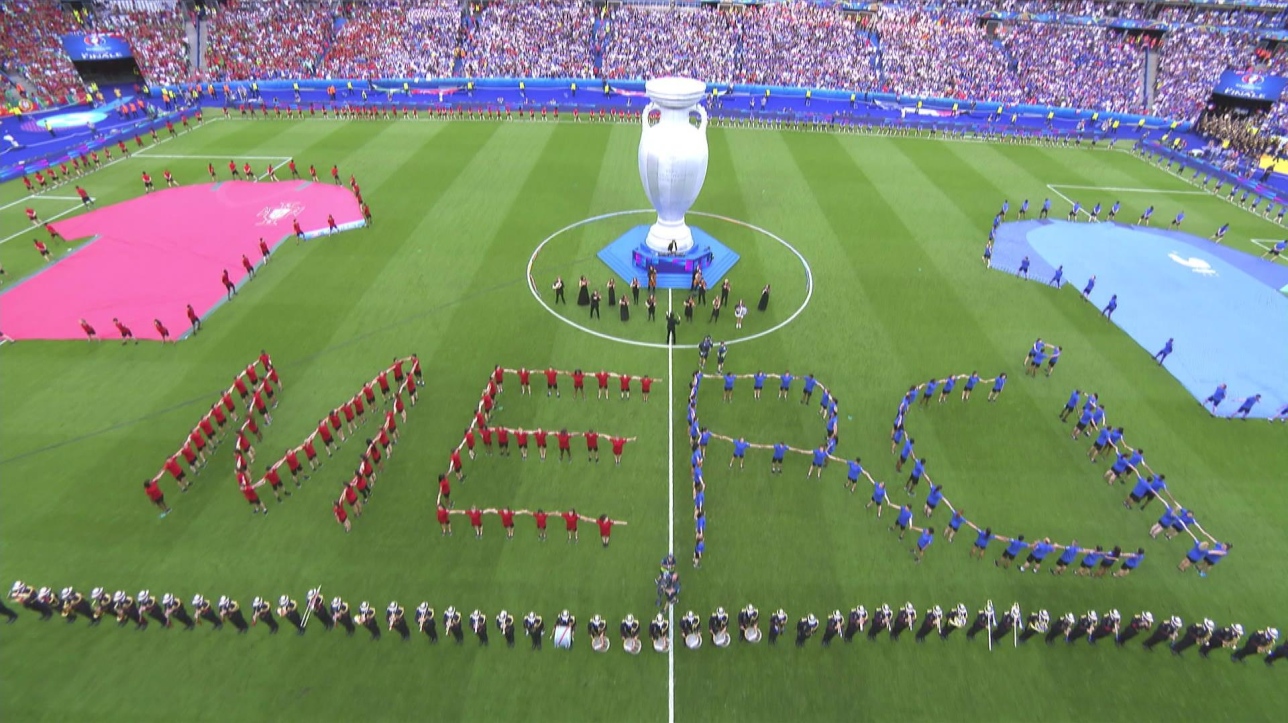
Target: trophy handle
point(702, 113)
point(648, 109)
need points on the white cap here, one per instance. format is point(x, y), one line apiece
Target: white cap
point(937, 610)
point(1207, 623)
point(257, 602)
point(476, 613)
point(65, 593)
point(197, 600)
point(811, 618)
point(283, 601)
point(98, 591)
point(167, 599)
point(223, 600)
point(720, 611)
point(17, 586)
point(630, 618)
point(118, 595)
point(450, 611)
point(393, 606)
point(1238, 629)
point(836, 613)
point(336, 602)
point(313, 593)
point(364, 607)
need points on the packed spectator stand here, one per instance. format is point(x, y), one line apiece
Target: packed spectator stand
point(933, 49)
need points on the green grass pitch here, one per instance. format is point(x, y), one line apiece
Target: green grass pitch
point(892, 229)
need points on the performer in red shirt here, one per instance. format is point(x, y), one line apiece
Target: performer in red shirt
point(337, 509)
point(164, 332)
point(198, 443)
point(229, 286)
point(444, 491)
point(540, 516)
point(626, 386)
point(147, 182)
point(250, 175)
point(42, 249)
point(124, 331)
point(194, 319)
point(570, 523)
point(240, 385)
point(382, 380)
point(324, 431)
point(169, 179)
point(336, 426)
point(601, 376)
point(619, 443)
point(292, 460)
point(456, 464)
point(540, 435)
point(646, 385)
point(90, 334)
point(209, 430)
point(351, 499)
point(498, 376)
point(476, 521)
point(335, 174)
point(578, 384)
point(252, 374)
point(248, 491)
point(190, 457)
point(210, 168)
point(176, 471)
point(263, 249)
point(507, 521)
point(155, 494)
point(606, 527)
point(359, 407)
point(232, 169)
point(310, 453)
point(32, 217)
point(592, 446)
point(469, 442)
point(521, 437)
point(331, 226)
point(252, 426)
point(274, 481)
point(350, 421)
point(444, 521)
point(299, 232)
point(525, 382)
point(486, 434)
point(552, 382)
point(564, 449)
point(503, 441)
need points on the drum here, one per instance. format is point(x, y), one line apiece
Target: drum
point(563, 636)
point(693, 641)
point(721, 639)
point(753, 635)
point(632, 646)
point(600, 644)
point(661, 644)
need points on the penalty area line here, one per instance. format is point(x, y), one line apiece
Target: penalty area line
point(1170, 192)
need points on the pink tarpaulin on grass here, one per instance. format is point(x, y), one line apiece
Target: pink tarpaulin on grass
point(156, 254)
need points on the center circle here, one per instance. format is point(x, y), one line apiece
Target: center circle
point(536, 293)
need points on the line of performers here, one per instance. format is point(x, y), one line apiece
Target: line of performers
point(401, 379)
point(481, 429)
point(257, 387)
point(169, 611)
point(1091, 420)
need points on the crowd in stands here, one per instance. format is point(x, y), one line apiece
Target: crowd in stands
point(31, 47)
point(417, 38)
point(914, 49)
point(547, 38)
point(646, 42)
point(271, 39)
point(1092, 68)
point(156, 31)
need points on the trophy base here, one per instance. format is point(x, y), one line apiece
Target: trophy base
point(669, 239)
point(630, 256)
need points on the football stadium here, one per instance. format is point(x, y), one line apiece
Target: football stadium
point(327, 327)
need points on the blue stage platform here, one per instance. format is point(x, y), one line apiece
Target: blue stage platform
point(629, 257)
point(1226, 309)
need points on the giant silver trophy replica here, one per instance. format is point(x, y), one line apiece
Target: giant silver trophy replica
point(673, 159)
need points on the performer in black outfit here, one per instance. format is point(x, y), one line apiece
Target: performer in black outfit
point(425, 620)
point(672, 321)
point(320, 611)
point(583, 292)
point(651, 303)
point(290, 611)
point(559, 290)
point(594, 305)
point(764, 298)
point(261, 610)
point(635, 290)
point(397, 622)
point(625, 307)
point(612, 292)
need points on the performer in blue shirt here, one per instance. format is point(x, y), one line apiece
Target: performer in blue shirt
point(1163, 353)
point(1046, 209)
point(998, 384)
point(740, 447)
point(758, 383)
point(1086, 290)
point(808, 390)
point(1012, 550)
point(776, 464)
point(852, 477)
point(924, 541)
point(785, 384)
point(918, 470)
point(933, 498)
point(820, 459)
point(1059, 275)
point(1217, 397)
point(903, 521)
point(878, 497)
point(1108, 311)
point(969, 387)
point(982, 539)
point(954, 525)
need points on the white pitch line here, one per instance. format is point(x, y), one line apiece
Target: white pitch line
point(27, 199)
point(670, 493)
point(1128, 190)
point(48, 220)
point(145, 154)
point(1067, 199)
